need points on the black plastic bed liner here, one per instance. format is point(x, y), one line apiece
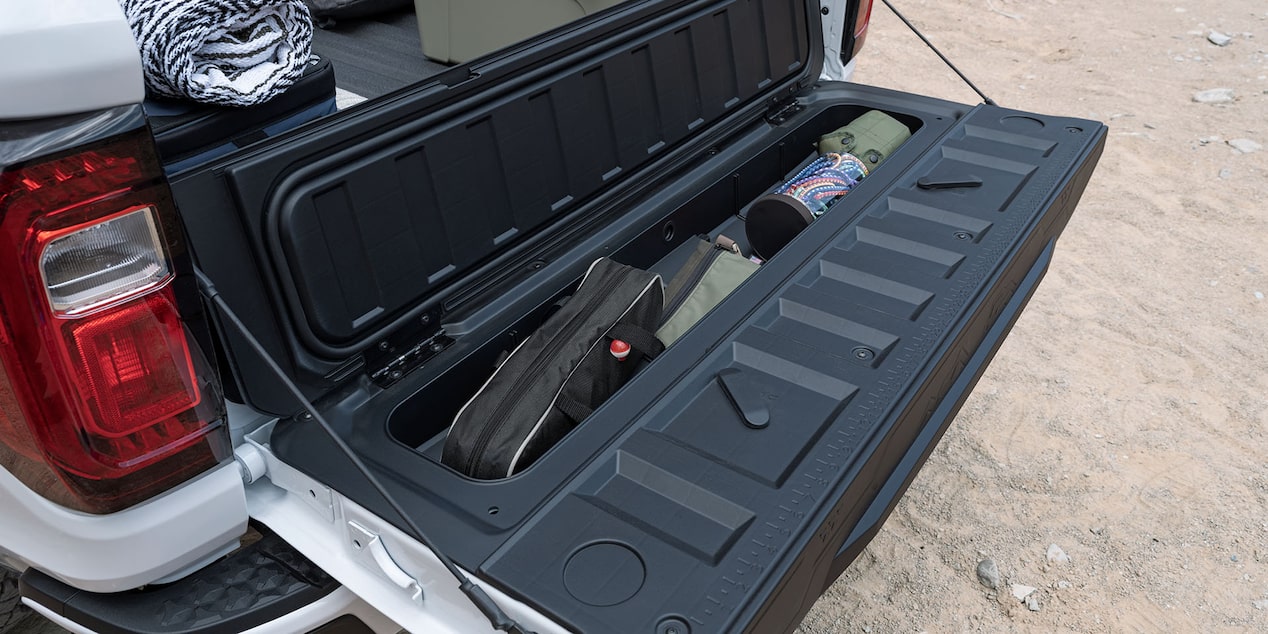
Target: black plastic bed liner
point(376, 54)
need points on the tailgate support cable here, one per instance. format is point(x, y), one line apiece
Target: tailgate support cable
point(987, 100)
point(482, 601)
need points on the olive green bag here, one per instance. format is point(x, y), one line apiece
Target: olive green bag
point(871, 137)
point(711, 273)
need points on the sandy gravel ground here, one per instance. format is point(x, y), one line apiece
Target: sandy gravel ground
point(1124, 419)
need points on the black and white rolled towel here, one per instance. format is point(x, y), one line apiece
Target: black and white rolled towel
point(224, 52)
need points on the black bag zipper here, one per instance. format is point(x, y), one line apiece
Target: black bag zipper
point(697, 274)
point(495, 422)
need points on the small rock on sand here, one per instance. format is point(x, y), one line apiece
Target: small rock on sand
point(1215, 95)
point(1021, 592)
point(988, 573)
point(1057, 555)
point(1245, 146)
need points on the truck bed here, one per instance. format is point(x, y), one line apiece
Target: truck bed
point(375, 55)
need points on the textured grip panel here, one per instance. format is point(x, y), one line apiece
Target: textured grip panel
point(254, 585)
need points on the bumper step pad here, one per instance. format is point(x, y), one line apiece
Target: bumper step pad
point(252, 586)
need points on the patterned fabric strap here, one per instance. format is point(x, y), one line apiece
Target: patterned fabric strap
point(224, 52)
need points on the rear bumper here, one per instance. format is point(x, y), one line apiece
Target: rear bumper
point(266, 586)
point(109, 553)
point(339, 612)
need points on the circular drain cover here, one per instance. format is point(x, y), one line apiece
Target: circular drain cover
point(1021, 123)
point(604, 574)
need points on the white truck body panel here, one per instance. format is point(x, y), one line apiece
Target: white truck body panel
point(834, 30)
point(175, 532)
point(66, 56)
point(330, 530)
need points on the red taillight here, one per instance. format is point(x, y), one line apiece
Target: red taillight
point(134, 366)
point(861, 20)
point(70, 181)
point(101, 383)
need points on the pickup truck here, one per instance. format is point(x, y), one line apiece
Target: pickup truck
point(180, 336)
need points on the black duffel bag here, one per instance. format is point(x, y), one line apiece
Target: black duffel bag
point(578, 358)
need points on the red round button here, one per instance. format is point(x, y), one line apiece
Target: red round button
point(619, 349)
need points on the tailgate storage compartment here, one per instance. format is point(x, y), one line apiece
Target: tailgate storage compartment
point(665, 504)
point(389, 257)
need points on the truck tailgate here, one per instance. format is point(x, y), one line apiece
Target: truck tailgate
point(859, 342)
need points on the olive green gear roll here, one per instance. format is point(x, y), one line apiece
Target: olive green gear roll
point(871, 137)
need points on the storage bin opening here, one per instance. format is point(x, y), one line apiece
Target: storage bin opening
point(422, 419)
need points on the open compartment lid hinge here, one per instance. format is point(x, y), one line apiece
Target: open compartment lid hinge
point(412, 359)
point(783, 109)
point(391, 360)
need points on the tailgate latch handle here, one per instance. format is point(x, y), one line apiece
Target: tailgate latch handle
point(372, 545)
point(745, 398)
point(948, 183)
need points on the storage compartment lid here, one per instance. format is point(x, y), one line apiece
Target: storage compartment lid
point(361, 227)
